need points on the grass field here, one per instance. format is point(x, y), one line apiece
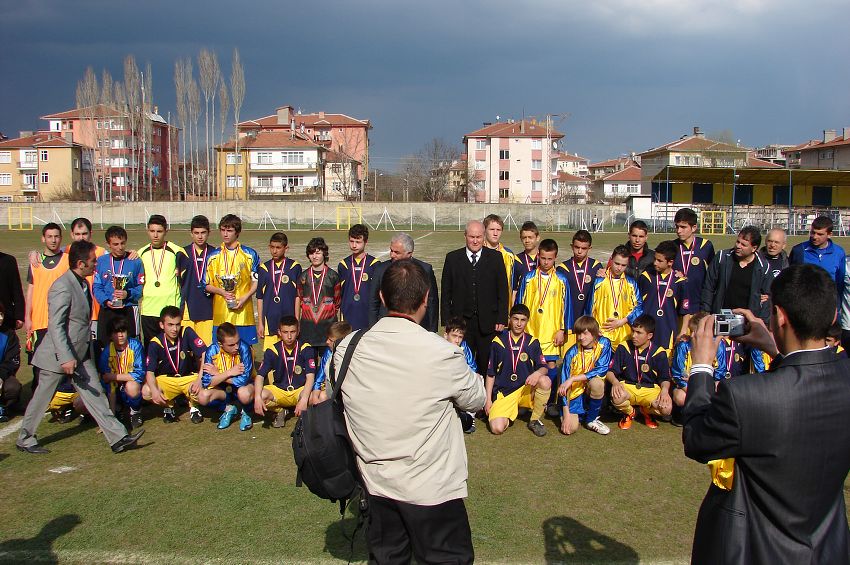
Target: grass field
point(195, 494)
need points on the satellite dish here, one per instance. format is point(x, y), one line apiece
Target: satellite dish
point(554, 145)
point(497, 118)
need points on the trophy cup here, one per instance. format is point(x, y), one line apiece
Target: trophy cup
point(119, 281)
point(228, 283)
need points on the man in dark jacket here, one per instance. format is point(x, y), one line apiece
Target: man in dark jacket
point(641, 255)
point(773, 251)
point(781, 437)
point(738, 278)
point(11, 293)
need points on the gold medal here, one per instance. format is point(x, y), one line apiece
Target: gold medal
point(644, 368)
point(514, 377)
point(365, 277)
point(694, 261)
point(290, 388)
point(297, 369)
point(182, 354)
point(523, 356)
point(669, 293)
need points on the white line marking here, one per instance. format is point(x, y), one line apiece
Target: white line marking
point(11, 428)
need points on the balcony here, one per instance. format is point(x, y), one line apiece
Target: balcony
point(282, 166)
point(27, 165)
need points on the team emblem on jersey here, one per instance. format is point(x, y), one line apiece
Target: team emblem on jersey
point(312, 363)
point(199, 342)
point(284, 279)
point(141, 278)
point(297, 369)
point(686, 303)
point(523, 356)
point(255, 276)
point(669, 293)
point(365, 276)
point(694, 261)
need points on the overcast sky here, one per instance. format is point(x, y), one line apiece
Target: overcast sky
point(627, 75)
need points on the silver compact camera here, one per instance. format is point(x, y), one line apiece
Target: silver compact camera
point(729, 324)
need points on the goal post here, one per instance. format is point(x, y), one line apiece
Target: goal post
point(19, 218)
point(345, 215)
point(712, 222)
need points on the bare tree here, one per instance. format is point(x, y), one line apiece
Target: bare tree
point(86, 99)
point(427, 172)
point(180, 91)
point(224, 108)
point(237, 92)
point(194, 115)
point(120, 103)
point(210, 74)
point(147, 130)
point(105, 137)
point(133, 93)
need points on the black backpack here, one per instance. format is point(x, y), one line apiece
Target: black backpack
point(321, 445)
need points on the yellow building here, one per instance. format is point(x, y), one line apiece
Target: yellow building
point(42, 167)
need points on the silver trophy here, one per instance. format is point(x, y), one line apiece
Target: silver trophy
point(228, 283)
point(119, 281)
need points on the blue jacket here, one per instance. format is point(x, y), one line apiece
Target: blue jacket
point(831, 258)
point(102, 287)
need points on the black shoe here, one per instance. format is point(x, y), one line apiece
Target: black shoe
point(4, 417)
point(553, 411)
point(66, 417)
point(537, 428)
point(34, 449)
point(136, 420)
point(467, 422)
point(127, 442)
point(168, 416)
point(196, 417)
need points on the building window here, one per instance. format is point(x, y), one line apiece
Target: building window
point(696, 161)
point(264, 182)
point(45, 177)
point(5, 198)
point(44, 155)
point(337, 186)
point(678, 160)
point(744, 195)
point(5, 156)
point(234, 181)
point(481, 144)
point(504, 193)
point(5, 179)
point(780, 194)
point(536, 164)
point(29, 179)
point(633, 188)
point(662, 192)
point(536, 185)
point(822, 196)
point(703, 193)
point(826, 154)
point(504, 175)
point(615, 188)
point(537, 144)
point(480, 165)
point(478, 185)
point(292, 182)
point(293, 157)
point(504, 154)
point(336, 168)
point(264, 158)
point(234, 159)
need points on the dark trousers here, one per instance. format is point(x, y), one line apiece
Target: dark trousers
point(845, 340)
point(10, 392)
point(479, 342)
point(397, 531)
point(150, 329)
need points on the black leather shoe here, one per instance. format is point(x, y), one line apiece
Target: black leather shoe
point(127, 442)
point(34, 449)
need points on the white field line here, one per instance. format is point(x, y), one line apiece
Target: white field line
point(11, 428)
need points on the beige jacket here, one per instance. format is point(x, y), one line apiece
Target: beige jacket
point(400, 395)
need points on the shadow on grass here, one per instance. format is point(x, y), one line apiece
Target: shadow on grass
point(40, 547)
point(338, 538)
point(569, 541)
point(3, 456)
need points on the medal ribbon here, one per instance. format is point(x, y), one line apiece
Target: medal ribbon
point(616, 298)
point(540, 283)
point(121, 360)
point(276, 285)
point(224, 356)
point(289, 372)
point(527, 263)
point(358, 281)
point(637, 361)
point(317, 291)
point(580, 285)
point(515, 358)
point(662, 297)
point(203, 266)
point(227, 268)
point(690, 251)
point(120, 270)
point(156, 270)
point(731, 356)
point(176, 361)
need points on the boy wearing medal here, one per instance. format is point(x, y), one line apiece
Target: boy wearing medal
point(663, 295)
point(529, 236)
point(516, 376)
point(277, 295)
point(319, 290)
point(289, 369)
point(322, 385)
point(493, 227)
point(355, 273)
point(680, 366)
point(615, 300)
point(581, 270)
point(640, 376)
point(117, 302)
point(455, 332)
point(197, 310)
point(173, 366)
point(122, 365)
point(161, 283)
point(693, 256)
point(582, 382)
point(227, 377)
point(239, 264)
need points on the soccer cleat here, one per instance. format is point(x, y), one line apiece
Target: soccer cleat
point(626, 421)
point(467, 422)
point(66, 416)
point(226, 417)
point(280, 418)
point(3, 416)
point(245, 422)
point(648, 419)
point(598, 427)
point(553, 411)
point(195, 416)
point(537, 428)
point(168, 416)
point(136, 420)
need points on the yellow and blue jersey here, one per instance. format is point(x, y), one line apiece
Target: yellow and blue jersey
point(285, 368)
point(842, 354)
point(223, 361)
point(131, 360)
point(549, 292)
point(242, 261)
point(669, 290)
point(581, 276)
point(737, 359)
point(161, 286)
point(511, 263)
point(469, 356)
point(277, 280)
point(525, 264)
point(192, 267)
point(650, 367)
point(692, 262)
point(592, 363)
point(323, 369)
point(356, 278)
point(621, 296)
point(680, 367)
point(503, 351)
point(187, 351)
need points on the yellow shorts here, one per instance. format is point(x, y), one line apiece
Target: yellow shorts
point(643, 396)
point(508, 406)
point(202, 328)
point(172, 387)
point(270, 340)
point(282, 398)
point(61, 400)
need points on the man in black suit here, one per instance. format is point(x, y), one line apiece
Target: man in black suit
point(780, 438)
point(474, 286)
point(401, 247)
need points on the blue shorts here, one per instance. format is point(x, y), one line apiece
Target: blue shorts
point(680, 382)
point(577, 405)
point(248, 334)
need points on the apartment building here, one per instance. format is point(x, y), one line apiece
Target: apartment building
point(574, 165)
point(42, 167)
point(513, 162)
point(602, 169)
point(620, 184)
point(571, 189)
point(832, 151)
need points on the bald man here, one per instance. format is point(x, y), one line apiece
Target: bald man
point(773, 251)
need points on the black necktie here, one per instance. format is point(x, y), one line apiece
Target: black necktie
point(474, 259)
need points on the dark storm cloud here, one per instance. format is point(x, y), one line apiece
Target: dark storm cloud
point(630, 75)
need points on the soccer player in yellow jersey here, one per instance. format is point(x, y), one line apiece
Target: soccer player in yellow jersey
point(615, 301)
point(239, 264)
point(493, 227)
point(161, 288)
point(227, 377)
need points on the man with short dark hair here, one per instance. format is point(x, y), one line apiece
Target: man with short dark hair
point(777, 442)
point(820, 250)
point(738, 278)
point(641, 255)
point(693, 256)
point(400, 412)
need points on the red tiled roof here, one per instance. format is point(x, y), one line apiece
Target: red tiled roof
point(694, 143)
point(336, 157)
point(567, 177)
point(270, 140)
point(512, 129)
point(761, 163)
point(99, 111)
point(309, 120)
point(804, 145)
point(625, 161)
point(38, 139)
point(571, 158)
point(630, 173)
point(838, 141)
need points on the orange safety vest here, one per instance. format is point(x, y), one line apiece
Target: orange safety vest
point(42, 279)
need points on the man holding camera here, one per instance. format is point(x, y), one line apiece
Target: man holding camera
point(779, 463)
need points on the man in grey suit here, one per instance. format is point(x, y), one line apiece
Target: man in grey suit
point(67, 351)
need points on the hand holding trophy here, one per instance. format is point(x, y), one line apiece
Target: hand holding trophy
point(119, 281)
point(228, 284)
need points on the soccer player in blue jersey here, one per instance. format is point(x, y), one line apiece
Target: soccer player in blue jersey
point(640, 376)
point(192, 267)
point(581, 270)
point(529, 236)
point(277, 292)
point(322, 384)
point(680, 366)
point(285, 378)
point(693, 256)
point(227, 377)
point(663, 295)
point(356, 272)
point(516, 376)
point(455, 332)
point(582, 382)
point(820, 250)
point(122, 365)
point(173, 365)
point(117, 262)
